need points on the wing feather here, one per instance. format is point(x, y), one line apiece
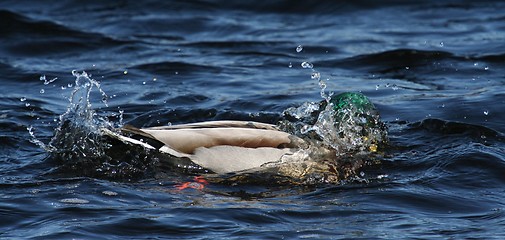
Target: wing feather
point(187, 140)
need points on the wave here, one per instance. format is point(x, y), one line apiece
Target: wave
point(389, 61)
point(236, 44)
point(438, 126)
point(439, 152)
point(30, 37)
point(493, 58)
point(405, 59)
point(169, 67)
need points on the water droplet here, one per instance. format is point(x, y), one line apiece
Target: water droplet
point(144, 83)
point(42, 90)
point(377, 87)
point(290, 65)
point(315, 76)
point(307, 65)
point(69, 85)
point(382, 176)
point(46, 82)
point(125, 72)
point(27, 104)
point(176, 73)
point(121, 113)
point(476, 64)
point(154, 79)
point(394, 87)
point(441, 44)
point(486, 68)
point(299, 48)
point(22, 99)
point(486, 112)
point(407, 68)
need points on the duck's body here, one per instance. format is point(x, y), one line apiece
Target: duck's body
point(222, 146)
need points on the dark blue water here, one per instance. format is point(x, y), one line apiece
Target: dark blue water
point(435, 70)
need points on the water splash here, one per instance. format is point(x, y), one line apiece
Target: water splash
point(351, 122)
point(345, 122)
point(78, 132)
point(79, 143)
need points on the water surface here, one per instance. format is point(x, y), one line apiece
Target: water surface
point(434, 71)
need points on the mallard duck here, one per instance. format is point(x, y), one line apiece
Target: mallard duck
point(224, 147)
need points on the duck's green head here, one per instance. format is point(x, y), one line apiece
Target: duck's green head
point(352, 101)
point(355, 115)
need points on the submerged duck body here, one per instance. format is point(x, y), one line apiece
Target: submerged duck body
point(222, 146)
point(225, 147)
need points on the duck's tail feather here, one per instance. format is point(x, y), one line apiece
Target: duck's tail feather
point(166, 160)
point(132, 132)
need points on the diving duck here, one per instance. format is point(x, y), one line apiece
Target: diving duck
point(234, 147)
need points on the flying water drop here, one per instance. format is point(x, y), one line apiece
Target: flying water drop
point(307, 65)
point(316, 76)
point(46, 82)
point(299, 48)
